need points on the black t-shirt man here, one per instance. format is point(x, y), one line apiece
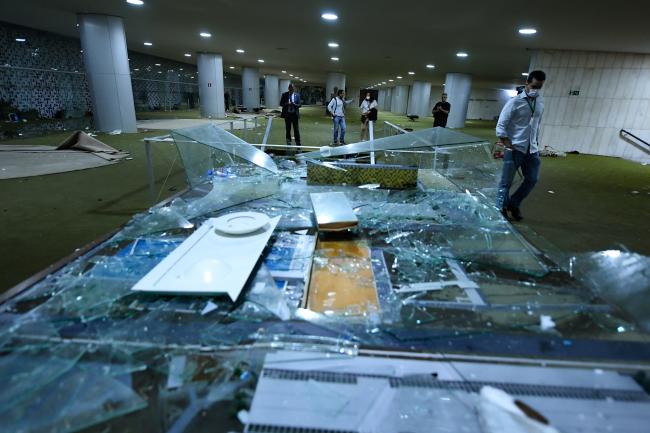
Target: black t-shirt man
point(441, 112)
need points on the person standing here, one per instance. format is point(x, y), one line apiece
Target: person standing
point(441, 112)
point(517, 130)
point(336, 108)
point(368, 109)
point(291, 103)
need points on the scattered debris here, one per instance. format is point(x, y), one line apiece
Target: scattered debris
point(546, 322)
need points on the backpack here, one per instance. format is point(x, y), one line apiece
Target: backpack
point(327, 110)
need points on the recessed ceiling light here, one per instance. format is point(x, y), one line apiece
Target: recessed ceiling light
point(336, 59)
point(187, 55)
point(136, 69)
point(205, 35)
point(148, 44)
point(391, 80)
point(527, 31)
point(333, 45)
point(135, 2)
point(411, 73)
point(160, 72)
point(291, 75)
point(180, 69)
point(430, 66)
point(461, 54)
point(157, 64)
point(240, 51)
point(260, 60)
point(383, 82)
point(524, 74)
point(231, 67)
point(20, 39)
point(329, 16)
point(192, 76)
point(284, 72)
point(399, 77)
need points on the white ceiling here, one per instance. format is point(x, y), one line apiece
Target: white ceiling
point(379, 39)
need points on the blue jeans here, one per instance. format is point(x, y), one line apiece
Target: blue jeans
point(512, 160)
point(339, 123)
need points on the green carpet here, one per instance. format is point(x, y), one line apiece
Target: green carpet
point(597, 202)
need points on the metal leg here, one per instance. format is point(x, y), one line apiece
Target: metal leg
point(371, 130)
point(152, 180)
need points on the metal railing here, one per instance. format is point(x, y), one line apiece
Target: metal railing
point(624, 132)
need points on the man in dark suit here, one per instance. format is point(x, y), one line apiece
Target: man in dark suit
point(291, 103)
point(441, 112)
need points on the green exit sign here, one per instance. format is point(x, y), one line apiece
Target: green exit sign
point(574, 92)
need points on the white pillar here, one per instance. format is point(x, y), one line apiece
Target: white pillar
point(458, 88)
point(419, 98)
point(106, 62)
point(250, 79)
point(353, 94)
point(271, 91)
point(399, 100)
point(284, 86)
point(334, 79)
point(389, 99)
point(210, 68)
point(381, 99)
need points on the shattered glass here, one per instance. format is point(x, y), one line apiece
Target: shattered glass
point(435, 269)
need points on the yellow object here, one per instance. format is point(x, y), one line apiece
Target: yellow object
point(342, 281)
point(386, 175)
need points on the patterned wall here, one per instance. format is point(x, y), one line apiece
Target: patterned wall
point(45, 73)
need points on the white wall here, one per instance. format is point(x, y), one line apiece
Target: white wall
point(614, 94)
point(486, 104)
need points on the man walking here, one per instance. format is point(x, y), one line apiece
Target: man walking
point(290, 103)
point(336, 108)
point(517, 129)
point(441, 112)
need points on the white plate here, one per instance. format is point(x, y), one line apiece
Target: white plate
point(240, 223)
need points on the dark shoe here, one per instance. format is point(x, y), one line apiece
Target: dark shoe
point(504, 212)
point(343, 143)
point(288, 142)
point(516, 213)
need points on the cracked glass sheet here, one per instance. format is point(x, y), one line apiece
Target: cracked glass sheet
point(208, 149)
point(425, 138)
point(620, 277)
point(482, 280)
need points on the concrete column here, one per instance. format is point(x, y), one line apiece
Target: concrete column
point(250, 84)
point(106, 62)
point(419, 98)
point(458, 88)
point(271, 91)
point(381, 99)
point(353, 93)
point(389, 99)
point(284, 86)
point(334, 79)
point(210, 67)
point(399, 100)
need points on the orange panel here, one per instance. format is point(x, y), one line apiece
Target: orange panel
point(342, 280)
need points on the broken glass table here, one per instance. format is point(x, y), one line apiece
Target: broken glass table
point(432, 271)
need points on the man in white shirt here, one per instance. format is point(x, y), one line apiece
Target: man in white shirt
point(336, 108)
point(518, 129)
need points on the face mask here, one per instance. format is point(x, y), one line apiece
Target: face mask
point(532, 93)
point(367, 98)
